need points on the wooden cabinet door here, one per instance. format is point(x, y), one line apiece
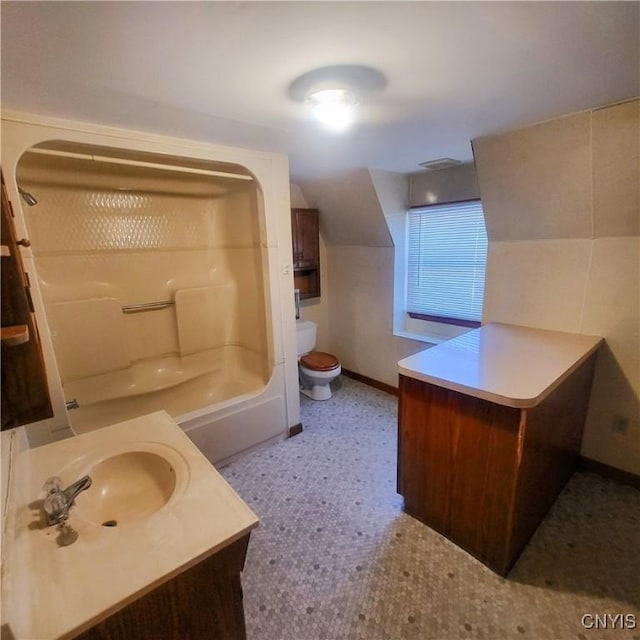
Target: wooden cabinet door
point(305, 233)
point(306, 244)
point(457, 467)
point(295, 238)
point(25, 394)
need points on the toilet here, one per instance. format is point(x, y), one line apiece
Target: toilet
point(316, 369)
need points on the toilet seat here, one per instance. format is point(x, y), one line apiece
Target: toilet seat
point(319, 361)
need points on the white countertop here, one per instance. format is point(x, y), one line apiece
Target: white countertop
point(49, 591)
point(506, 364)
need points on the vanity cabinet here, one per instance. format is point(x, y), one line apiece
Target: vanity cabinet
point(204, 601)
point(25, 393)
point(489, 431)
point(305, 235)
point(162, 540)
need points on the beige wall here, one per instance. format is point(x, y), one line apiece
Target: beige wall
point(561, 205)
point(357, 298)
point(361, 312)
point(444, 185)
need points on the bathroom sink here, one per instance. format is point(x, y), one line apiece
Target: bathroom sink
point(129, 485)
point(164, 508)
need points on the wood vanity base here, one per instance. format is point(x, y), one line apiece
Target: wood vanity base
point(483, 474)
point(204, 601)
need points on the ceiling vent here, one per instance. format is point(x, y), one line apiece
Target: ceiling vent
point(440, 163)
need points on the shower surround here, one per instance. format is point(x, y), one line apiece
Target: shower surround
point(158, 281)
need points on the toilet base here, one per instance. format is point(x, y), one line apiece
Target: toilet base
point(317, 392)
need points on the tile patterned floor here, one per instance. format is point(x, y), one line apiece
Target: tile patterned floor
point(335, 557)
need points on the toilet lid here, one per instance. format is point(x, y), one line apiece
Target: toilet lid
point(319, 361)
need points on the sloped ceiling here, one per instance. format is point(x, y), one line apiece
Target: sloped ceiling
point(220, 71)
point(350, 211)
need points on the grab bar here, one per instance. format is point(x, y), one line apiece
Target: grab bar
point(146, 306)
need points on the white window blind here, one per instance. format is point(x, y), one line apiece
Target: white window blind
point(447, 255)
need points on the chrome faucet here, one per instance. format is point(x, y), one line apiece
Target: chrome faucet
point(58, 502)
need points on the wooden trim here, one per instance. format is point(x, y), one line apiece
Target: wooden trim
point(382, 386)
point(607, 471)
point(25, 392)
point(295, 429)
point(474, 324)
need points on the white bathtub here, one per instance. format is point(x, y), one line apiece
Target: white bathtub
point(222, 399)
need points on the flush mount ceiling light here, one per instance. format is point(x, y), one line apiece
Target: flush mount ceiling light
point(335, 108)
point(333, 94)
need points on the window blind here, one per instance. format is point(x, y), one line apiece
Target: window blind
point(447, 255)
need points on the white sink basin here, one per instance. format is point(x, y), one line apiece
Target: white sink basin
point(129, 482)
point(127, 487)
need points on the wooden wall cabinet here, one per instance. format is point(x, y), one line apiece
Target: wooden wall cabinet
point(305, 234)
point(25, 393)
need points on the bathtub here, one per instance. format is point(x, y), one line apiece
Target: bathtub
point(157, 281)
point(221, 399)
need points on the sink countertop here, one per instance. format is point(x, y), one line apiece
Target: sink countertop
point(507, 364)
point(57, 592)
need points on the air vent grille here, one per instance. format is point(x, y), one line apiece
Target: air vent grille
point(440, 163)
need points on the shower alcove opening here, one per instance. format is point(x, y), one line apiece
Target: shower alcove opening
point(153, 274)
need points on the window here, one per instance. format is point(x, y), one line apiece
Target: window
point(446, 259)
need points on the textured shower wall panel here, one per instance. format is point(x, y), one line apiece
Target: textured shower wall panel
point(89, 337)
point(244, 256)
point(205, 317)
point(237, 223)
point(86, 220)
point(246, 265)
point(154, 276)
point(144, 247)
point(151, 334)
point(131, 276)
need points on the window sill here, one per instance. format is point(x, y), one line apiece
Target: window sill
point(420, 337)
point(428, 331)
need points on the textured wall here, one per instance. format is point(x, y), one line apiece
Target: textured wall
point(561, 206)
point(361, 312)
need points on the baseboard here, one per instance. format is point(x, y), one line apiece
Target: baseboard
point(382, 386)
point(607, 471)
point(295, 429)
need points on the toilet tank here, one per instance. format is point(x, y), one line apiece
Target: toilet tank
point(306, 336)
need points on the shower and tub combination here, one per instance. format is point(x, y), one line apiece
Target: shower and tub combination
point(159, 282)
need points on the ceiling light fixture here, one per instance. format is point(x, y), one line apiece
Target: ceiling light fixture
point(335, 108)
point(332, 94)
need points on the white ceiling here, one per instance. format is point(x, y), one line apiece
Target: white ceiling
point(220, 71)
